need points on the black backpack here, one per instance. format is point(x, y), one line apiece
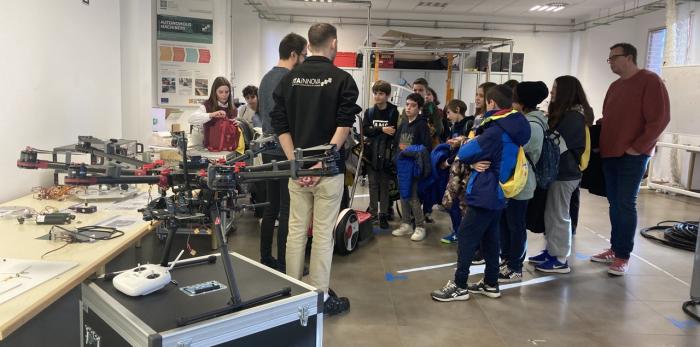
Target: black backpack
point(547, 167)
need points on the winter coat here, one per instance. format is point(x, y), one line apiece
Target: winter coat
point(413, 163)
point(497, 140)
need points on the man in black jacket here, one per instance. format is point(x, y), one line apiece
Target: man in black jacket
point(315, 104)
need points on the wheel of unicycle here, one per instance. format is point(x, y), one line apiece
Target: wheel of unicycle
point(347, 232)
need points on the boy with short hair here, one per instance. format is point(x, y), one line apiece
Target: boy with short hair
point(412, 141)
point(498, 139)
point(379, 125)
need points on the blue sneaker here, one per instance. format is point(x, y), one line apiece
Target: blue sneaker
point(448, 239)
point(540, 258)
point(554, 266)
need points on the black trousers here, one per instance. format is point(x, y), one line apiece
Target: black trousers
point(278, 209)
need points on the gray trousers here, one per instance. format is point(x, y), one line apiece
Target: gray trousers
point(557, 220)
point(412, 205)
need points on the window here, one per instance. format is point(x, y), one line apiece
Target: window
point(655, 50)
point(683, 40)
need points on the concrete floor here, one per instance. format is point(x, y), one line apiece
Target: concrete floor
point(583, 308)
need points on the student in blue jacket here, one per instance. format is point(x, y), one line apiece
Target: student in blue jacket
point(497, 141)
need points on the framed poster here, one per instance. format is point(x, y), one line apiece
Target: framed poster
point(185, 41)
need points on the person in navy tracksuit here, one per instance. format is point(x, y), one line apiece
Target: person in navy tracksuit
point(493, 154)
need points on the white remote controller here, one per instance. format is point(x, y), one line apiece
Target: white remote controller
point(144, 279)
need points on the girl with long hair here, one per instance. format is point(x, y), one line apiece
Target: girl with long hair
point(568, 109)
point(218, 106)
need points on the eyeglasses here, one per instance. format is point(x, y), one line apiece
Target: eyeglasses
point(612, 57)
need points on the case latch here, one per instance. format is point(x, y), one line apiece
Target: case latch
point(304, 315)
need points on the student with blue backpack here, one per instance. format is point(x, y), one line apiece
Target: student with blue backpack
point(526, 97)
point(567, 107)
point(498, 140)
point(379, 125)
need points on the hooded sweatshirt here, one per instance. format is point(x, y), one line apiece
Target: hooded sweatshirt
point(497, 140)
point(415, 132)
point(533, 150)
point(572, 142)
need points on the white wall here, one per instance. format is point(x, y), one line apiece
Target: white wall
point(593, 71)
point(246, 48)
point(137, 68)
point(61, 78)
point(547, 55)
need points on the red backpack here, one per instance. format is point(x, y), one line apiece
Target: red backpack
point(223, 136)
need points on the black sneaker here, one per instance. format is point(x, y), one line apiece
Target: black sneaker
point(485, 289)
point(450, 292)
point(390, 215)
point(383, 222)
point(509, 276)
point(270, 262)
point(335, 305)
point(429, 218)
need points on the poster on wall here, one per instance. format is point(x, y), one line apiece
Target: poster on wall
point(185, 41)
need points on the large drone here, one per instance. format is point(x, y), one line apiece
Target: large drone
point(203, 191)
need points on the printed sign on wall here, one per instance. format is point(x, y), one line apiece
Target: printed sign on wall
point(185, 40)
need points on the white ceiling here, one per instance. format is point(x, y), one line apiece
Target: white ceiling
point(497, 8)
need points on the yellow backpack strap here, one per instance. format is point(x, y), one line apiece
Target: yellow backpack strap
point(586, 155)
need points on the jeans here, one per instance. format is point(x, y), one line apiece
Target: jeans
point(622, 178)
point(479, 229)
point(455, 215)
point(323, 202)
point(514, 234)
point(278, 209)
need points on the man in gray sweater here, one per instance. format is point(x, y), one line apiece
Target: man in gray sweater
point(292, 52)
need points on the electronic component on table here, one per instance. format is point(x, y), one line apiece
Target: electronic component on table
point(84, 208)
point(144, 279)
point(49, 218)
point(202, 288)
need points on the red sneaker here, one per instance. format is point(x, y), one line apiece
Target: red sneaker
point(606, 257)
point(618, 267)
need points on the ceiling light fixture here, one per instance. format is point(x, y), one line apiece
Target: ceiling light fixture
point(551, 7)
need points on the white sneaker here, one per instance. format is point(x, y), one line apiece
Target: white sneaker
point(403, 230)
point(418, 235)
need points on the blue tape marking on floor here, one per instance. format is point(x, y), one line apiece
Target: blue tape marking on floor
point(582, 256)
point(390, 277)
point(683, 324)
point(378, 230)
